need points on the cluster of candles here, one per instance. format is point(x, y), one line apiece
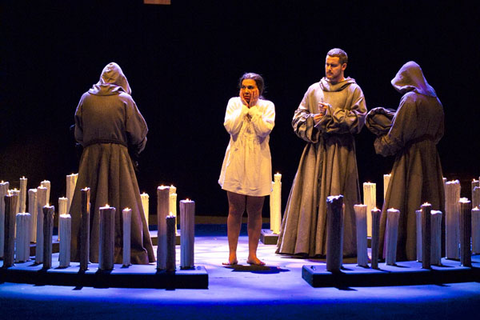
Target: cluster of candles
point(36, 226)
point(462, 228)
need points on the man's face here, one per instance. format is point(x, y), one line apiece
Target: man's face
point(333, 69)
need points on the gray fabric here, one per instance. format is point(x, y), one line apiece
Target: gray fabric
point(108, 124)
point(379, 120)
point(417, 127)
point(327, 167)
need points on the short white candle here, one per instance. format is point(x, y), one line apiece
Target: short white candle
point(393, 216)
point(66, 239)
point(107, 238)
point(47, 184)
point(23, 194)
point(62, 209)
point(452, 219)
point(361, 224)
point(32, 209)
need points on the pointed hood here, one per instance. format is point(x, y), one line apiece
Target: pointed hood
point(112, 81)
point(410, 78)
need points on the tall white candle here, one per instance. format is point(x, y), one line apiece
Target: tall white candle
point(393, 216)
point(62, 209)
point(386, 183)
point(66, 239)
point(370, 199)
point(187, 237)
point(452, 219)
point(376, 213)
point(9, 247)
point(71, 182)
point(32, 209)
point(476, 230)
point(145, 205)
point(23, 194)
point(107, 238)
point(475, 184)
point(85, 230)
point(436, 251)
point(426, 235)
point(361, 224)
point(47, 184)
point(465, 232)
point(3, 192)
point(41, 202)
point(162, 213)
point(23, 237)
point(48, 214)
point(276, 204)
point(127, 233)
point(17, 204)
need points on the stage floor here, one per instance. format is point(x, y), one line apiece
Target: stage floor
point(276, 291)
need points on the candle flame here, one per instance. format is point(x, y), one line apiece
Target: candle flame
point(107, 206)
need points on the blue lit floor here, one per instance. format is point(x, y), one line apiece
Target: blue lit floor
point(278, 292)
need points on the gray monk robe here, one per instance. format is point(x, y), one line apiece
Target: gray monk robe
point(417, 127)
point(108, 124)
point(327, 167)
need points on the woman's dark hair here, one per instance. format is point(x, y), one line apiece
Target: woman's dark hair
point(257, 78)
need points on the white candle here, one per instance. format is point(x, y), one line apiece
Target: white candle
point(476, 230)
point(376, 213)
point(23, 194)
point(47, 184)
point(452, 220)
point(392, 236)
point(370, 199)
point(41, 202)
point(48, 214)
point(9, 247)
point(386, 183)
point(107, 238)
point(23, 237)
point(85, 230)
point(17, 204)
point(361, 224)
point(172, 207)
point(436, 251)
point(127, 233)
point(276, 204)
point(465, 232)
point(145, 205)
point(71, 182)
point(3, 192)
point(62, 209)
point(66, 239)
point(426, 235)
point(187, 237)
point(162, 213)
point(32, 209)
point(170, 263)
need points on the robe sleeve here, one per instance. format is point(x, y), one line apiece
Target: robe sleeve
point(347, 119)
point(78, 132)
point(303, 123)
point(404, 128)
point(263, 120)
point(234, 117)
point(136, 128)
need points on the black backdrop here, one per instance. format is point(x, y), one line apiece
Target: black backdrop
point(183, 62)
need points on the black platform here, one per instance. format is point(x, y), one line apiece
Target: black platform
point(403, 273)
point(134, 276)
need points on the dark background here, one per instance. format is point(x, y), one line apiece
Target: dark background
point(183, 62)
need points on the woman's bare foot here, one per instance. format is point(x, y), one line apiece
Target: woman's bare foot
point(255, 261)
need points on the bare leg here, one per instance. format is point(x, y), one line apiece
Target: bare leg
point(254, 211)
point(236, 207)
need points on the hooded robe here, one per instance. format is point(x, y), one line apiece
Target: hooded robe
point(328, 166)
point(109, 125)
point(417, 127)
